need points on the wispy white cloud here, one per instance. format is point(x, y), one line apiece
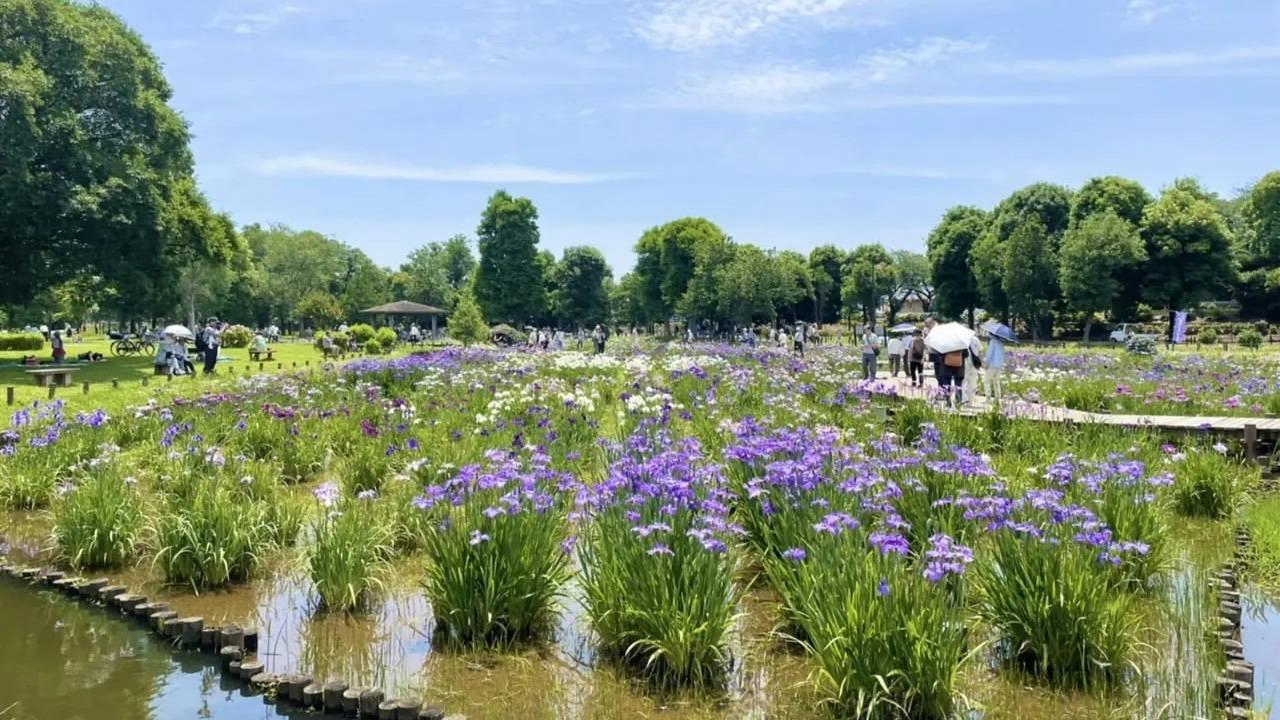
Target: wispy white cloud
point(334, 166)
point(1145, 12)
point(697, 24)
point(1225, 60)
point(781, 87)
point(894, 63)
point(258, 21)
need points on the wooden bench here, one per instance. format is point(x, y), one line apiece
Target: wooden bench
point(52, 376)
point(256, 355)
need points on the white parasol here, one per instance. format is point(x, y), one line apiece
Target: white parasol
point(178, 331)
point(950, 337)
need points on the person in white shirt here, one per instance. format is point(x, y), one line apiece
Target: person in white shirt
point(870, 348)
point(896, 349)
point(212, 339)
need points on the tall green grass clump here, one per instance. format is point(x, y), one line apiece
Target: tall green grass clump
point(657, 565)
point(1263, 522)
point(352, 545)
point(1207, 482)
point(1046, 583)
point(210, 536)
point(881, 629)
point(495, 557)
point(98, 522)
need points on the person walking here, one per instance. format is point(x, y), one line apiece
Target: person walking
point(935, 357)
point(895, 350)
point(915, 353)
point(870, 349)
point(995, 369)
point(59, 347)
point(802, 336)
point(212, 337)
point(972, 366)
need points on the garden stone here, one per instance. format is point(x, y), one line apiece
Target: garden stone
point(408, 709)
point(90, 588)
point(249, 668)
point(369, 702)
point(110, 592)
point(157, 620)
point(333, 695)
point(229, 654)
point(431, 712)
point(351, 701)
point(387, 710)
point(300, 682)
point(192, 630)
point(313, 696)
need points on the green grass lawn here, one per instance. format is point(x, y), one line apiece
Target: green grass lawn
point(131, 370)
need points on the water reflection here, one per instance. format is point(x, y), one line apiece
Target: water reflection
point(1260, 632)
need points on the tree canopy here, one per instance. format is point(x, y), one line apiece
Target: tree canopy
point(509, 283)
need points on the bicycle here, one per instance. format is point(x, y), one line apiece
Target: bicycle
point(130, 345)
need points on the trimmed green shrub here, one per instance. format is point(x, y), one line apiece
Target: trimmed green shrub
point(361, 333)
point(1250, 338)
point(237, 336)
point(386, 338)
point(1207, 336)
point(21, 341)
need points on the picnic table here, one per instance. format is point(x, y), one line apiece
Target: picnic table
point(46, 376)
point(256, 355)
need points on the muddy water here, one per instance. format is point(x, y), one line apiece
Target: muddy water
point(60, 660)
point(111, 663)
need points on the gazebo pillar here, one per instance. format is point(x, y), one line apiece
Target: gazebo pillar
point(433, 325)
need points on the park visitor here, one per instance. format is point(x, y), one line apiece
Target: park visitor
point(895, 350)
point(973, 363)
point(802, 335)
point(59, 348)
point(995, 369)
point(212, 337)
point(870, 349)
point(935, 357)
point(915, 352)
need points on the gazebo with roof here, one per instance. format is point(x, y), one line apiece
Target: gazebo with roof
point(406, 309)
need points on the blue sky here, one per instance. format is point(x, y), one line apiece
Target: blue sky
point(791, 123)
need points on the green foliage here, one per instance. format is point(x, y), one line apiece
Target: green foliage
point(1030, 277)
point(666, 261)
point(385, 339)
point(362, 333)
point(1262, 213)
point(1058, 615)
point(493, 581)
point(1124, 198)
point(319, 310)
point(237, 336)
point(1189, 246)
point(97, 165)
point(1263, 523)
point(349, 556)
point(903, 659)
point(869, 277)
point(950, 247)
point(1250, 338)
point(666, 616)
point(209, 537)
point(21, 342)
point(1207, 336)
point(98, 523)
point(467, 323)
point(363, 285)
point(509, 281)
point(1206, 483)
point(826, 262)
point(437, 273)
point(1099, 254)
point(579, 298)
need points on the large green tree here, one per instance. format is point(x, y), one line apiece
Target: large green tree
point(666, 261)
point(364, 285)
point(1030, 274)
point(911, 279)
point(1098, 254)
point(436, 273)
point(1043, 204)
point(1122, 196)
point(746, 287)
point(827, 264)
point(950, 260)
point(509, 284)
point(580, 298)
point(92, 155)
point(869, 277)
point(1188, 245)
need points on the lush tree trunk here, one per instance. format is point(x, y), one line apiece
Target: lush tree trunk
point(1088, 325)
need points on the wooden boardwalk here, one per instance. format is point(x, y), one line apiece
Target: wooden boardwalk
point(1252, 428)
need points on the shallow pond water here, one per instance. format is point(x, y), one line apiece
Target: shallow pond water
point(106, 662)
